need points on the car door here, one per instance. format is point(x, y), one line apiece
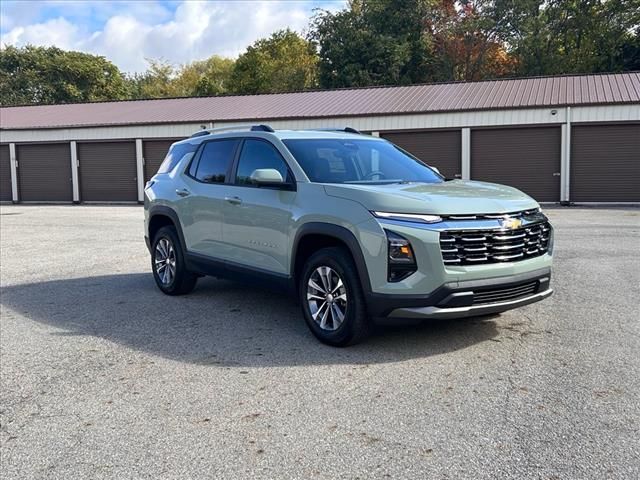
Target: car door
point(257, 219)
point(203, 196)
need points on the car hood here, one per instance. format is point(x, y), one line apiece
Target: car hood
point(453, 197)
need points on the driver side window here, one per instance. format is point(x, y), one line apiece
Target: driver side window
point(259, 154)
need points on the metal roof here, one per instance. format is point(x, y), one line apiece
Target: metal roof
point(533, 92)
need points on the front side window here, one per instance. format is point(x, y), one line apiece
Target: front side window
point(258, 154)
point(328, 160)
point(215, 159)
point(176, 153)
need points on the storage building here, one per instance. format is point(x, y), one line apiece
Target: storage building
point(559, 139)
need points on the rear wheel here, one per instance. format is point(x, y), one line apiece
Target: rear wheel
point(168, 264)
point(332, 299)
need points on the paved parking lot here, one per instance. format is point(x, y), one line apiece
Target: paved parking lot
point(102, 376)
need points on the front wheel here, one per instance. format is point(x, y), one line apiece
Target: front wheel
point(332, 299)
point(167, 261)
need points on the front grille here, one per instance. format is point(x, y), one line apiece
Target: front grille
point(473, 247)
point(504, 294)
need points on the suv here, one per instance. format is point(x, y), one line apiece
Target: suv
point(353, 225)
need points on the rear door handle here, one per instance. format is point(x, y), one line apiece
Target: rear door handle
point(233, 200)
point(183, 192)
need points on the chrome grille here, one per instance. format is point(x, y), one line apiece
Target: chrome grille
point(493, 216)
point(472, 247)
point(504, 294)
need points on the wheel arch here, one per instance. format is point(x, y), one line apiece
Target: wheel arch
point(315, 235)
point(161, 216)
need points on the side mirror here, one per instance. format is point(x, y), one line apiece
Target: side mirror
point(266, 176)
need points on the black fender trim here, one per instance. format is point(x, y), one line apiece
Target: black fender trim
point(342, 234)
point(162, 210)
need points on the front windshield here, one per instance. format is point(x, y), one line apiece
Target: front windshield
point(328, 160)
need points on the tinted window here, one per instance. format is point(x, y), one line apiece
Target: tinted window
point(215, 160)
point(176, 153)
point(257, 154)
point(358, 161)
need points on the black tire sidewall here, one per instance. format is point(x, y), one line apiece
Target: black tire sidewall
point(343, 266)
point(170, 234)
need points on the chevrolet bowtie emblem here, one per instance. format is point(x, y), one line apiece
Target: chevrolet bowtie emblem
point(511, 223)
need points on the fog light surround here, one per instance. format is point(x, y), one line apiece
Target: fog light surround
point(400, 257)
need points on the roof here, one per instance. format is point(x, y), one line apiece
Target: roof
point(533, 92)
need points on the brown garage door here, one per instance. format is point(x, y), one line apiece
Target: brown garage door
point(525, 158)
point(154, 153)
point(438, 148)
point(5, 174)
point(44, 173)
point(605, 163)
point(108, 172)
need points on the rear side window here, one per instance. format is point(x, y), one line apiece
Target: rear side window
point(215, 160)
point(258, 154)
point(176, 153)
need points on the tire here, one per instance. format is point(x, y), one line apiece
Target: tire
point(321, 310)
point(172, 277)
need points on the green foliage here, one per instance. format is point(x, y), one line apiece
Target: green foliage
point(394, 42)
point(162, 80)
point(572, 36)
point(370, 42)
point(283, 62)
point(374, 42)
point(208, 77)
point(51, 75)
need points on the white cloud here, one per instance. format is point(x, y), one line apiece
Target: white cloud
point(57, 31)
point(133, 31)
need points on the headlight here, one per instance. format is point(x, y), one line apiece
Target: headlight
point(408, 217)
point(401, 260)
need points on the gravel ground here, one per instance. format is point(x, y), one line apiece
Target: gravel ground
point(102, 376)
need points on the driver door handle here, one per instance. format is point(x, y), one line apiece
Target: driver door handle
point(233, 200)
point(183, 192)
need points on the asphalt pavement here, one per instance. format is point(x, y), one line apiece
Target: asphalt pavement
point(103, 376)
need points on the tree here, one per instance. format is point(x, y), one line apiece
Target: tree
point(630, 52)
point(374, 42)
point(154, 83)
point(471, 41)
point(50, 75)
point(572, 36)
point(199, 78)
point(206, 77)
point(283, 62)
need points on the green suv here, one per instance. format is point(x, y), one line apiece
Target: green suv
point(353, 225)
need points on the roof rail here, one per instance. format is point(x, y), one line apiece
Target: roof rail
point(234, 128)
point(345, 129)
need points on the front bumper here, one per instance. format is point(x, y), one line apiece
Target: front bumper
point(466, 298)
point(471, 311)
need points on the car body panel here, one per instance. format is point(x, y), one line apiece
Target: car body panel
point(263, 231)
point(458, 197)
point(256, 231)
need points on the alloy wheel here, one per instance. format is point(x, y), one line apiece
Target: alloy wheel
point(165, 261)
point(327, 298)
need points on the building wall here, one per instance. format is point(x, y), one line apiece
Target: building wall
point(465, 122)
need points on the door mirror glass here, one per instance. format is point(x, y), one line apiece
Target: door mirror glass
point(266, 176)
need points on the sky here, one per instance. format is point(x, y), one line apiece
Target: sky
point(128, 32)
